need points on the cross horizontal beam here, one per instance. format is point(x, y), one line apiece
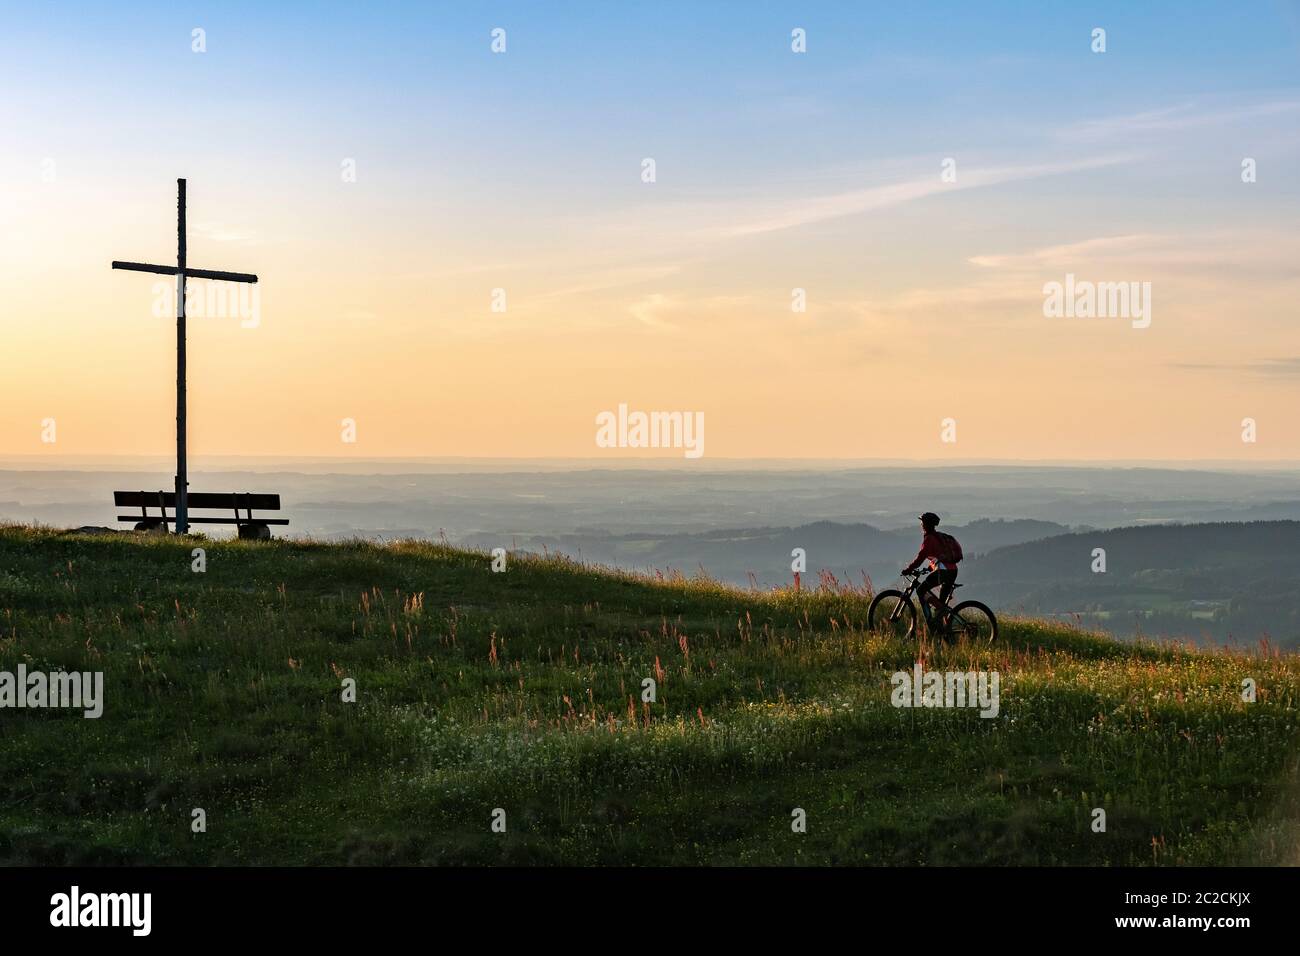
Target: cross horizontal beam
point(189, 273)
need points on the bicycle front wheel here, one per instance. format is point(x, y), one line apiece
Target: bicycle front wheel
point(891, 613)
point(974, 621)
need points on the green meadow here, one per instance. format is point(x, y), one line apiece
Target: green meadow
point(521, 691)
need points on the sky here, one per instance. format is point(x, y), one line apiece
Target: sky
point(922, 172)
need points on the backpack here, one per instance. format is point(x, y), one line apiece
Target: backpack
point(951, 549)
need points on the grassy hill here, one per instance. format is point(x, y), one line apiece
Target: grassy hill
point(521, 690)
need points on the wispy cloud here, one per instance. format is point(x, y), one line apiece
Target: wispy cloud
point(615, 279)
point(1283, 368)
point(1261, 254)
point(684, 233)
point(1086, 250)
point(649, 309)
point(221, 232)
point(653, 310)
point(736, 219)
point(1188, 115)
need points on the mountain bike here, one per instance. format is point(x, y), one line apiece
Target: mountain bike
point(894, 612)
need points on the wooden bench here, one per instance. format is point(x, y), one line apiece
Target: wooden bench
point(257, 528)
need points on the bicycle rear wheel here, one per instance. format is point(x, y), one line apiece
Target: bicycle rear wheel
point(891, 613)
point(974, 621)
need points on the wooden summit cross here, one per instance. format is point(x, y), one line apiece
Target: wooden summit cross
point(182, 272)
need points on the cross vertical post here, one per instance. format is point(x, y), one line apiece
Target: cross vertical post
point(182, 475)
point(183, 274)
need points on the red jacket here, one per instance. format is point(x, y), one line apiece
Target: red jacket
point(934, 548)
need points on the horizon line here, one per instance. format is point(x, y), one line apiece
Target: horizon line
point(58, 461)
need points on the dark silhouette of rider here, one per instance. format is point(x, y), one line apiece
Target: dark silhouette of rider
point(936, 549)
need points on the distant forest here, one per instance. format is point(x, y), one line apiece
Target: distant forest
point(1237, 581)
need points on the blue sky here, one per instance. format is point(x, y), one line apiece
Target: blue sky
point(883, 79)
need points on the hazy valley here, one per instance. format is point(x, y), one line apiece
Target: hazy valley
point(1029, 531)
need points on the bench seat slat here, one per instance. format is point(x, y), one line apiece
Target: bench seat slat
point(202, 520)
point(198, 499)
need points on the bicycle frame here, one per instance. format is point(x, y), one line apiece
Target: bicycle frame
point(913, 586)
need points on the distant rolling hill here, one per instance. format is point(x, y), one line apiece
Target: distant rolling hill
point(733, 555)
point(1221, 581)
